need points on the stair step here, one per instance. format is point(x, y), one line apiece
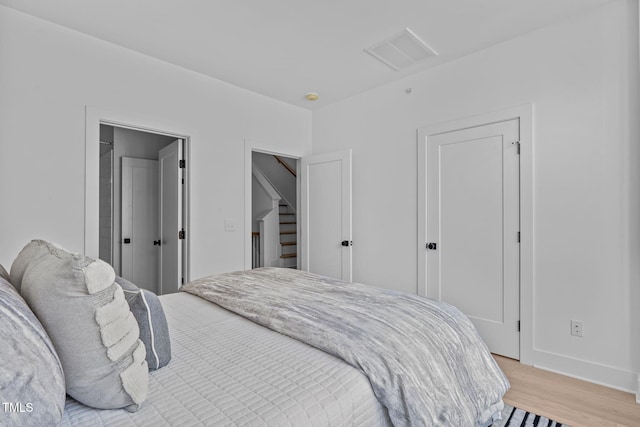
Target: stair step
point(286, 213)
point(287, 222)
point(288, 243)
point(288, 256)
point(288, 232)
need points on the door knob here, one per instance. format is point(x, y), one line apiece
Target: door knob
point(127, 240)
point(156, 242)
point(347, 243)
point(431, 246)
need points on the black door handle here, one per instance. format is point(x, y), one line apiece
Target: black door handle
point(431, 246)
point(156, 242)
point(347, 243)
point(127, 240)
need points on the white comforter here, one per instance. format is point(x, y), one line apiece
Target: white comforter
point(228, 371)
point(424, 358)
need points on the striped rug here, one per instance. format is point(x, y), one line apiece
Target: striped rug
point(516, 417)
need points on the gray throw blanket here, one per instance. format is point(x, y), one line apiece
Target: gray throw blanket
point(424, 358)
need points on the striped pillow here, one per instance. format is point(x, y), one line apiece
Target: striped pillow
point(154, 331)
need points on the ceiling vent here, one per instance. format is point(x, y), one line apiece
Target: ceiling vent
point(402, 50)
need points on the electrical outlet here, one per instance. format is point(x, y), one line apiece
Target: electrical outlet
point(229, 225)
point(576, 328)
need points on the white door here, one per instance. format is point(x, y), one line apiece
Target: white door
point(325, 214)
point(172, 232)
point(473, 228)
point(139, 213)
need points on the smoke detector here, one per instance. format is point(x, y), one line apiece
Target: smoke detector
point(401, 50)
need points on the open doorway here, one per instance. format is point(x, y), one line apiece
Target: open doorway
point(142, 205)
point(274, 211)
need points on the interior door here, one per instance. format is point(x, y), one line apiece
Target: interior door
point(139, 256)
point(325, 212)
point(473, 250)
point(172, 233)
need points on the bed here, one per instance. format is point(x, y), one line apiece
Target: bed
point(227, 370)
point(274, 347)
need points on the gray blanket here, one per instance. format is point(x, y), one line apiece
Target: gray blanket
point(424, 358)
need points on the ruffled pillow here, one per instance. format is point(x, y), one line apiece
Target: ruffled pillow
point(88, 319)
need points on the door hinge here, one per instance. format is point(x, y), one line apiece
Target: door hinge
point(182, 281)
point(517, 144)
point(181, 164)
point(518, 326)
point(181, 234)
point(518, 237)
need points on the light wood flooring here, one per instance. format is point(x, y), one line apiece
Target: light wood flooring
point(568, 400)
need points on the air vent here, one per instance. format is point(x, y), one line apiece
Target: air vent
point(402, 50)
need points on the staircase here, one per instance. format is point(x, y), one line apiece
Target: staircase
point(288, 237)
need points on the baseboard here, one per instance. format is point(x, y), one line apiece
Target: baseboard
point(608, 376)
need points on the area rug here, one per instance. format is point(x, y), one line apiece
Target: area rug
point(516, 417)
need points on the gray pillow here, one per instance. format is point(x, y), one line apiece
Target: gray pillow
point(32, 389)
point(27, 254)
point(3, 273)
point(154, 331)
point(89, 322)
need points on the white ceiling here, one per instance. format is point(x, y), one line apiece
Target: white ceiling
point(286, 48)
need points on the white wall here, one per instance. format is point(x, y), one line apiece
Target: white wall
point(49, 74)
point(581, 76)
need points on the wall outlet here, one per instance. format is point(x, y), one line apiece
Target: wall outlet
point(576, 328)
point(230, 225)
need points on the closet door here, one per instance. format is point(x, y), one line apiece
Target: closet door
point(171, 228)
point(139, 222)
point(473, 228)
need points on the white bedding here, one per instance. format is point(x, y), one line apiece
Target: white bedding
point(226, 370)
point(425, 360)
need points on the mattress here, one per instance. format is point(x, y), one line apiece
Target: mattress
point(425, 360)
point(226, 370)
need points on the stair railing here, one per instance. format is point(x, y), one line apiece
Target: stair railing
point(255, 249)
point(285, 164)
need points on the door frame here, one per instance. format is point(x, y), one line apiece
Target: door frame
point(525, 114)
point(250, 147)
point(94, 117)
